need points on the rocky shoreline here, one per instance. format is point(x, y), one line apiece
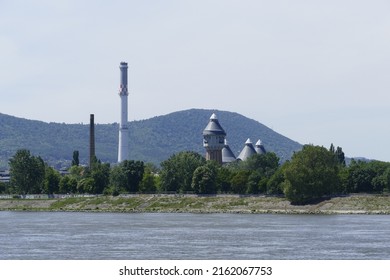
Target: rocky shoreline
point(353, 204)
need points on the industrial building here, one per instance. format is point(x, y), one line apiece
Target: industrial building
point(217, 148)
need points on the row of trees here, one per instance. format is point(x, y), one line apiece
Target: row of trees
point(312, 173)
point(29, 174)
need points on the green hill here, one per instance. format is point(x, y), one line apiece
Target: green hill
point(151, 140)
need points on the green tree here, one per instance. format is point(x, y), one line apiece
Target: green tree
point(239, 181)
point(68, 184)
point(177, 171)
point(117, 180)
point(100, 173)
point(360, 177)
point(134, 172)
point(52, 180)
point(3, 187)
point(38, 165)
point(338, 153)
point(332, 149)
point(275, 182)
point(367, 176)
point(148, 184)
point(224, 177)
point(149, 181)
point(204, 180)
point(77, 172)
point(27, 172)
point(75, 160)
point(261, 168)
point(340, 156)
point(85, 185)
point(311, 174)
point(344, 179)
point(254, 179)
point(386, 178)
point(126, 176)
point(264, 164)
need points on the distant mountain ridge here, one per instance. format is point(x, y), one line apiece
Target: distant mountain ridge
point(150, 140)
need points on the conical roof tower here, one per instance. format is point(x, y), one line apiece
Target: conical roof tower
point(247, 151)
point(214, 139)
point(260, 148)
point(227, 154)
point(213, 127)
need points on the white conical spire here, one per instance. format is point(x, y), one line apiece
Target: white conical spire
point(259, 147)
point(213, 117)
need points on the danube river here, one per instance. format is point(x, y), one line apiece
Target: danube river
point(101, 236)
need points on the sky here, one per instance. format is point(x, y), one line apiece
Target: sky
point(317, 72)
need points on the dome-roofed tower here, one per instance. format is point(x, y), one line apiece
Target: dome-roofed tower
point(260, 148)
point(227, 154)
point(214, 139)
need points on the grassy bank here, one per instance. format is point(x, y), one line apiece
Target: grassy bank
point(362, 204)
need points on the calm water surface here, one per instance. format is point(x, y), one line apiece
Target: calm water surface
point(51, 235)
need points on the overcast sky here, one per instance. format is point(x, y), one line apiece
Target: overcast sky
point(315, 71)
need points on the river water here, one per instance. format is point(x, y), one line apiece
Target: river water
point(101, 236)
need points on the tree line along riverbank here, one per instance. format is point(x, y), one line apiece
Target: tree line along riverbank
point(149, 203)
point(311, 174)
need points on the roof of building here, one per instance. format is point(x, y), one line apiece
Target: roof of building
point(227, 154)
point(247, 151)
point(260, 148)
point(213, 127)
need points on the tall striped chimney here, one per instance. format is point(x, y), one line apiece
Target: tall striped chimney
point(123, 149)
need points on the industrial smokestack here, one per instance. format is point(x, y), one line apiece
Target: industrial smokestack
point(123, 149)
point(91, 139)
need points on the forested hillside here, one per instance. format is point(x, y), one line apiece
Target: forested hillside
point(151, 140)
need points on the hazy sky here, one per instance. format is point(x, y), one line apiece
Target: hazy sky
point(315, 71)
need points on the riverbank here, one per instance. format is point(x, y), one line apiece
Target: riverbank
point(354, 204)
